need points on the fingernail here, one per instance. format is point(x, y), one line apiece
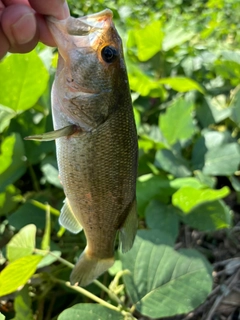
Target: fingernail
point(24, 29)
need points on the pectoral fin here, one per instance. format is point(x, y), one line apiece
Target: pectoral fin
point(68, 220)
point(129, 229)
point(52, 135)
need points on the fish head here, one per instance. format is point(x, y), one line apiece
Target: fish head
point(91, 69)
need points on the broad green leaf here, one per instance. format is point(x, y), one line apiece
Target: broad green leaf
point(2, 317)
point(222, 160)
point(27, 214)
point(22, 244)
point(181, 84)
point(9, 199)
point(187, 198)
point(51, 174)
point(12, 160)
point(160, 276)
point(235, 183)
point(209, 216)
point(186, 182)
point(163, 217)
point(17, 273)
point(165, 159)
point(177, 123)
point(149, 40)
point(143, 84)
point(90, 311)
point(152, 187)
point(235, 107)
point(175, 37)
point(6, 114)
point(49, 259)
point(219, 107)
point(22, 305)
point(23, 79)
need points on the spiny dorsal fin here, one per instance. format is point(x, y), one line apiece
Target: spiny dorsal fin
point(68, 220)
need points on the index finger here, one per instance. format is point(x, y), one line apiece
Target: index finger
point(57, 8)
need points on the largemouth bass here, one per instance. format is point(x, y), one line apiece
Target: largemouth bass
point(96, 139)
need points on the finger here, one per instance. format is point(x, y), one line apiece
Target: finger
point(57, 8)
point(20, 27)
point(4, 47)
point(45, 35)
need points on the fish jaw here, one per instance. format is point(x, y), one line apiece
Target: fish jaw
point(84, 32)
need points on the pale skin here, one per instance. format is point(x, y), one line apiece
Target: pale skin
point(23, 25)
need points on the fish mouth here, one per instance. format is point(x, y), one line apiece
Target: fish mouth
point(81, 32)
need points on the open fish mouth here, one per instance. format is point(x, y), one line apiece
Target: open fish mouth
point(79, 32)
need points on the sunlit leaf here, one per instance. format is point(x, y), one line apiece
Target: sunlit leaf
point(149, 40)
point(22, 244)
point(177, 123)
point(181, 84)
point(181, 281)
point(175, 37)
point(17, 273)
point(186, 198)
point(23, 79)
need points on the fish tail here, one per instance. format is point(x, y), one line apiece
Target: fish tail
point(88, 269)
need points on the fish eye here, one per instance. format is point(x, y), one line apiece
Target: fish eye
point(109, 54)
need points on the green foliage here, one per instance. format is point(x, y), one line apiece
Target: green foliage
point(184, 71)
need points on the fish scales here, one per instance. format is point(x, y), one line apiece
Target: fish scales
point(96, 139)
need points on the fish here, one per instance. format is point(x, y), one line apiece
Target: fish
point(96, 139)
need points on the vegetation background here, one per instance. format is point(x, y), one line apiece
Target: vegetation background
point(183, 60)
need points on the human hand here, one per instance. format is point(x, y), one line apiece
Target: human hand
point(22, 23)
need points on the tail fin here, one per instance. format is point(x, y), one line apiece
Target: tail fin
point(88, 269)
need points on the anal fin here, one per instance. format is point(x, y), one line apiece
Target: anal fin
point(68, 220)
point(129, 229)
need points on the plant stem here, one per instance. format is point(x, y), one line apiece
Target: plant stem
point(110, 293)
point(87, 294)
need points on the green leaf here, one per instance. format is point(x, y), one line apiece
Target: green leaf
point(49, 259)
point(181, 84)
point(186, 198)
point(22, 244)
point(6, 114)
point(45, 245)
point(177, 123)
point(165, 159)
point(235, 107)
point(50, 171)
point(22, 305)
point(2, 317)
point(149, 40)
point(179, 281)
point(12, 160)
point(90, 311)
point(9, 199)
point(186, 182)
point(27, 214)
point(17, 273)
point(23, 79)
point(164, 218)
point(175, 37)
point(143, 84)
point(209, 216)
point(152, 187)
point(222, 160)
